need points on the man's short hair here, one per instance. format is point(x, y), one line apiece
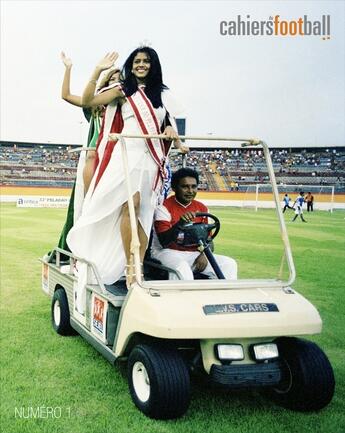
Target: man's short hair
point(181, 173)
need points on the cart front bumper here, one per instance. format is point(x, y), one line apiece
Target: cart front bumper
point(251, 375)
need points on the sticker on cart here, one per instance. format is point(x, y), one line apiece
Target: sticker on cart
point(45, 278)
point(99, 308)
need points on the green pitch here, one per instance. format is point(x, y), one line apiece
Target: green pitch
point(40, 369)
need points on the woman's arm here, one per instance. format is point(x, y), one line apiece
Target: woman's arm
point(89, 99)
point(171, 134)
point(174, 109)
point(181, 147)
point(65, 91)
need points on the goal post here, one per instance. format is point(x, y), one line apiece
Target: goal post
point(249, 196)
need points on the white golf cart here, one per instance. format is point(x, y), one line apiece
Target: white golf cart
point(241, 333)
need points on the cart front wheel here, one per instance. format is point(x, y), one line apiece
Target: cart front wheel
point(309, 383)
point(158, 381)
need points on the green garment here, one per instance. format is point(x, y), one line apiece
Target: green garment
point(93, 132)
point(68, 224)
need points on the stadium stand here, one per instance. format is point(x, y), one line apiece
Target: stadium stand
point(31, 164)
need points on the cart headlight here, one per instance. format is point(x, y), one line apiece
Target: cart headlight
point(265, 351)
point(230, 352)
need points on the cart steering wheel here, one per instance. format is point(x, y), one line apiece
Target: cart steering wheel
point(209, 227)
point(193, 233)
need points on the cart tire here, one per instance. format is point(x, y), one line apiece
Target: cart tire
point(60, 313)
point(309, 383)
point(159, 381)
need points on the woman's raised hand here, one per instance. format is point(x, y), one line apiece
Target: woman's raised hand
point(108, 61)
point(66, 60)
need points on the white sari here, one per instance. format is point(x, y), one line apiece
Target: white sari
point(96, 236)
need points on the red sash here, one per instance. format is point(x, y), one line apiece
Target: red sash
point(148, 123)
point(116, 126)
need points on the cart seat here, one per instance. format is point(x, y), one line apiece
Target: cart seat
point(118, 288)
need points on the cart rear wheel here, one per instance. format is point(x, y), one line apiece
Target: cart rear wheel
point(159, 381)
point(309, 381)
point(60, 313)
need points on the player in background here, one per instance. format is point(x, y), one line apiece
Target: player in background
point(298, 206)
point(286, 201)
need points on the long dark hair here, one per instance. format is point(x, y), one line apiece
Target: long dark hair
point(154, 80)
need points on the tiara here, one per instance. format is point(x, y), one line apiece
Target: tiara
point(145, 43)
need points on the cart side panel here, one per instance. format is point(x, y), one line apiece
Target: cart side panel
point(52, 278)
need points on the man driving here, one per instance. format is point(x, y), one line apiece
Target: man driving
point(167, 244)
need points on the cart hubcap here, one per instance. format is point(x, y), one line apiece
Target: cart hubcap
point(141, 381)
point(57, 313)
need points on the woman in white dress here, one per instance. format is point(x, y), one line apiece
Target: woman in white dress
point(102, 234)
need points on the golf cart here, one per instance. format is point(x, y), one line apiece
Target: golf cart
point(241, 333)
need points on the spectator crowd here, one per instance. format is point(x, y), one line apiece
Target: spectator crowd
point(220, 169)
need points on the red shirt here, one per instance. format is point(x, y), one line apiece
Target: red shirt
point(169, 213)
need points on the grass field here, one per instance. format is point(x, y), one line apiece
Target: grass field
point(41, 369)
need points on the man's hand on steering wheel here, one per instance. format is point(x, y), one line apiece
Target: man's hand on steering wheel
point(187, 217)
point(198, 231)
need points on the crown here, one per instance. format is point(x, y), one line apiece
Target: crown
point(145, 43)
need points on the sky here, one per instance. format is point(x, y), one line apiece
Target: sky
point(287, 90)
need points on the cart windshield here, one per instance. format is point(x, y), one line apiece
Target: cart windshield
point(237, 186)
